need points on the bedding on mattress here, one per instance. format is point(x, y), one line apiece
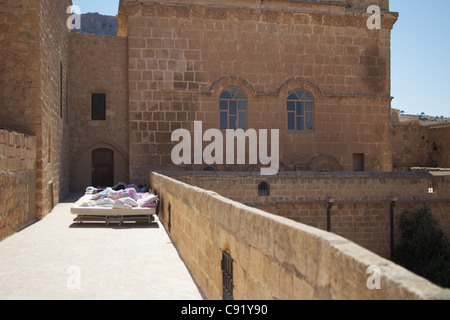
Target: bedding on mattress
point(125, 202)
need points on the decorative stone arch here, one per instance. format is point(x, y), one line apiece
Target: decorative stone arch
point(297, 84)
point(232, 81)
point(324, 163)
point(80, 172)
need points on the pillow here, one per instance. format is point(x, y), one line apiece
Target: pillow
point(148, 201)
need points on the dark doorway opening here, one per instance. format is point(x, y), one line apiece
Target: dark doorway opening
point(102, 167)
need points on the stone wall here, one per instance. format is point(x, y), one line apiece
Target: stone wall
point(439, 144)
point(33, 88)
point(182, 56)
point(53, 141)
point(17, 181)
point(410, 146)
point(273, 257)
point(362, 201)
point(416, 145)
point(20, 66)
point(99, 64)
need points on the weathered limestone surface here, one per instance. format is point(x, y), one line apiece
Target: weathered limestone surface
point(17, 181)
point(362, 201)
point(33, 88)
point(274, 257)
point(99, 64)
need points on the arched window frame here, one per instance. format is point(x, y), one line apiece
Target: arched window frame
point(300, 106)
point(233, 103)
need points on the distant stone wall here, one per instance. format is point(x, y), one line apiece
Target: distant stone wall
point(98, 65)
point(410, 146)
point(362, 201)
point(416, 145)
point(17, 181)
point(273, 257)
point(439, 144)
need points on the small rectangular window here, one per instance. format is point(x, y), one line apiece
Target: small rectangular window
point(263, 189)
point(98, 106)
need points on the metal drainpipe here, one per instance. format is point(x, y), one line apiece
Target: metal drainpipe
point(330, 205)
point(393, 203)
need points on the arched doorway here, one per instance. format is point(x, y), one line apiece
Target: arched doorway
point(102, 167)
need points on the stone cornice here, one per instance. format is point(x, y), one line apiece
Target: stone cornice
point(330, 14)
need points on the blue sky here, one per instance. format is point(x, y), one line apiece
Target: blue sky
point(420, 57)
point(420, 65)
point(106, 7)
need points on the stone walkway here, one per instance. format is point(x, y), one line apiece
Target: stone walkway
point(57, 259)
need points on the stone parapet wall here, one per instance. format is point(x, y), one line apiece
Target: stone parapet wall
point(17, 151)
point(362, 201)
point(17, 181)
point(273, 257)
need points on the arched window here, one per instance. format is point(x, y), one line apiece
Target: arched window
point(300, 111)
point(263, 189)
point(233, 109)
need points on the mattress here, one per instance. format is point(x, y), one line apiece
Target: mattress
point(80, 209)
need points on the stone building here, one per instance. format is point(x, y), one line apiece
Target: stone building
point(79, 110)
point(95, 110)
point(103, 109)
point(34, 70)
point(312, 69)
